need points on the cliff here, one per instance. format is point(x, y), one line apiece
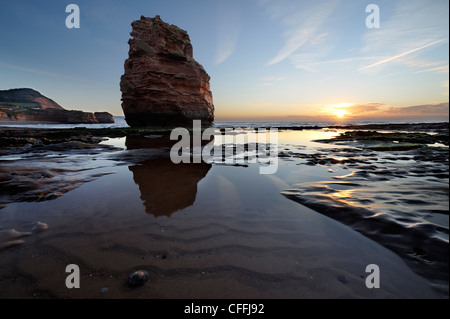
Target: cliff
point(28, 105)
point(28, 98)
point(163, 85)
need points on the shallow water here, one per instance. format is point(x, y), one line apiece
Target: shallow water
point(216, 231)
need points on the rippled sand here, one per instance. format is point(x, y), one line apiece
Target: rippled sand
point(209, 231)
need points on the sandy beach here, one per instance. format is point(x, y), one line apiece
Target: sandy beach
point(114, 205)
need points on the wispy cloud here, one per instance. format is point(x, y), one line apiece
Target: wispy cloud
point(445, 85)
point(438, 69)
point(228, 29)
point(410, 28)
point(303, 26)
point(365, 109)
point(271, 80)
point(439, 109)
point(398, 56)
point(309, 62)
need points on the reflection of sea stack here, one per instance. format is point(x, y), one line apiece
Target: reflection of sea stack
point(166, 187)
point(163, 85)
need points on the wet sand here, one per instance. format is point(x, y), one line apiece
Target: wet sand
point(213, 231)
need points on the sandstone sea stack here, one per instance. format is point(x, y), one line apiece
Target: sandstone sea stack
point(163, 85)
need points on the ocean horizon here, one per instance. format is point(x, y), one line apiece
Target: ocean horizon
point(120, 122)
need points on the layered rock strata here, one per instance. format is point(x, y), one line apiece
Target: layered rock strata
point(163, 85)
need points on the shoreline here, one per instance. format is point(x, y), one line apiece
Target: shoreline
point(142, 130)
point(27, 138)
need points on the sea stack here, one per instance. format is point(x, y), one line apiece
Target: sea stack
point(163, 85)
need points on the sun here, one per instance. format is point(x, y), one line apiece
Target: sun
point(339, 110)
point(340, 113)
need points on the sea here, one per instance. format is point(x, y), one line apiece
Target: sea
point(119, 122)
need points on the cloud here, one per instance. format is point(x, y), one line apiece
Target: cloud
point(271, 80)
point(438, 69)
point(445, 85)
point(303, 26)
point(402, 54)
point(229, 23)
point(314, 31)
point(384, 111)
point(440, 109)
point(410, 27)
point(365, 109)
point(319, 39)
point(380, 110)
point(309, 61)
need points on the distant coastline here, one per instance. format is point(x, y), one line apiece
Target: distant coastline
point(25, 105)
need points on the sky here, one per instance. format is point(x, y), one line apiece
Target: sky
point(283, 60)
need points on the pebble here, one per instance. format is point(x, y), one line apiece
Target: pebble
point(138, 278)
point(39, 227)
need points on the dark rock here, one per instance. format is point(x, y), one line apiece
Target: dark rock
point(104, 117)
point(138, 278)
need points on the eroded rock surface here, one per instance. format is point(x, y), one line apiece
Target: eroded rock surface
point(163, 85)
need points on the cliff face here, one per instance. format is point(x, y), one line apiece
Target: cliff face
point(28, 97)
point(48, 115)
point(27, 105)
point(163, 85)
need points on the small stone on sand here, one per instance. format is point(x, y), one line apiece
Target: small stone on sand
point(138, 278)
point(39, 227)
